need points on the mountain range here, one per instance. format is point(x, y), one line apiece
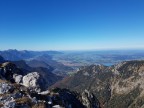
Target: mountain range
point(13, 54)
point(37, 59)
point(24, 87)
point(33, 83)
point(117, 86)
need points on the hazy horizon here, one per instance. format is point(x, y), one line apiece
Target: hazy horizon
point(80, 50)
point(72, 25)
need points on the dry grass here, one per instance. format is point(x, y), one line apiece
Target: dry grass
point(2, 81)
point(23, 100)
point(39, 105)
point(1, 105)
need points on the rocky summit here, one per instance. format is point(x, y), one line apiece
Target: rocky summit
point(94, 86)
point(28, 91)
point(117, 86)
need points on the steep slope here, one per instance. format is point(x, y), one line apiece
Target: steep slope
point(1, 59)
point(94, 78)
point(59, 68)
point(127, 87)
point(21, 64)
point(118, 86)
point(37, 63)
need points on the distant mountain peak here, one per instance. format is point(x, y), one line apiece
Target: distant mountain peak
point(13, 54)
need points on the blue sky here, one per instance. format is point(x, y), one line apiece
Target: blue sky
point(71, 24)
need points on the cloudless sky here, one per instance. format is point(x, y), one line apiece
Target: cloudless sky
point(71, 24)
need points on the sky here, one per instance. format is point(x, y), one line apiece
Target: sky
point(71, 24)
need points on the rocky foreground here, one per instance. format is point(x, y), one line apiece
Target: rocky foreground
point(28, 91)
point(95, 86)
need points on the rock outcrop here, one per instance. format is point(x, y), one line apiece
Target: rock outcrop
point(33, 81)
point(34, 78)
point(18, 78)
point(89, 100)
point(46, 74)
point(13, 95)
point(26, 91)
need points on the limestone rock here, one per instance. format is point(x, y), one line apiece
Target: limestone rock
point(89, 100)
point(56, 106)
point(44, 92)
point(4, 88)
point(9, 104)
point(32, 81)
point(17, 78)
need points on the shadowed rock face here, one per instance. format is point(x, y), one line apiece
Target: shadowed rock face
point(7, 70)
point(1, 59)
point(118, 86)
